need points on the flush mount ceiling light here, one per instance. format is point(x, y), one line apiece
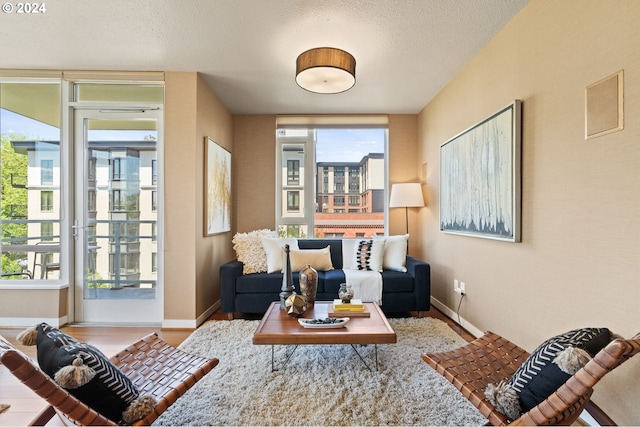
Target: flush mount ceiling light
point(326, 70)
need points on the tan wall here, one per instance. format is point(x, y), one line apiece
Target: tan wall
point(254, 169)
point(181, 196)
point(213, 121)
point(29, 306)
point(191, 260)
point(404, 167)
point(578, 262)
point(254, 172)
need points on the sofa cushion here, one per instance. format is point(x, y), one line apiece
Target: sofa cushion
point(397, 281)
point(319, 259)
point(331, 281)
point(395, 252)
point(274, 249)
point(335, 249)
point(249, 250)
point(368, 255)
point(259, 283)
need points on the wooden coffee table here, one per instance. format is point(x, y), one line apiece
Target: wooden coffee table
point(278, 328)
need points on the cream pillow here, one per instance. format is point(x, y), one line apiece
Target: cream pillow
point(368, 255)
point(319, 259)
point(249, 250)
point(395, 252)
point(273, 248)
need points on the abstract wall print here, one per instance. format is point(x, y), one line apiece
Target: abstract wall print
point(217, 198)
point(604, 106)
point(480, 178)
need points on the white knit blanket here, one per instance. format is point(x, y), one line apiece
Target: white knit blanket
point(367, 285)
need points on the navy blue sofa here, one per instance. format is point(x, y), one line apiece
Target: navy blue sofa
point(253, 293)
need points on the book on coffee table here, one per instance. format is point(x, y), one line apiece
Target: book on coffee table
point(332, 313)
point(354, 305)
point(353, 309)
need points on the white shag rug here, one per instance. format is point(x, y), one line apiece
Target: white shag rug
point(321, 385)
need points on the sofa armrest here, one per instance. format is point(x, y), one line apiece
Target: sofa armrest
point(421, 272)
point(229, 273)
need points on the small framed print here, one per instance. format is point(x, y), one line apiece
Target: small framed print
point(217, 196)
point(604, 106)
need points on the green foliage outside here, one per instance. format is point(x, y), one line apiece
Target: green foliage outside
point(13, 204)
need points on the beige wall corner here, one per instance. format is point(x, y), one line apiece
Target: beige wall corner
point(213, 121)
point(181, 194)
point(191, 259)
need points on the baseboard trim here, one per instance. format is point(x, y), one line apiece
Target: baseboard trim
point(27, 322)
point(453, 316)
point(191, 323)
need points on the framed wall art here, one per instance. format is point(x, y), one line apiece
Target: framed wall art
point(480, 178)
point(217, 191)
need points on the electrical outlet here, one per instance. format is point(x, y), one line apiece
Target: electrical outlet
point(457, 286)
point(463, 289)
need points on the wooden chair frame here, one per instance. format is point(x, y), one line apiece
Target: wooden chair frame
point(154, 366)
point(490, 359)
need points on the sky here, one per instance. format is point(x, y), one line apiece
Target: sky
point(348, 145)
point(15, 123)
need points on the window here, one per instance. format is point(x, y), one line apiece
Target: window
point(46, 201)
point(46, 172)
point(154, 172)
point(117, 200)
point(30, 137)
point(46, 231)
point(117, 169)
point(293, 172)
point(293, 201)
point(329, 162)
point(154, 262)
point(154, 200)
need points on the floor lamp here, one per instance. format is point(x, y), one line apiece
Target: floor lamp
point(406, 195)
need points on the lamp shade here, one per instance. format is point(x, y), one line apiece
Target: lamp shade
point(325, 70)
point(406, 195)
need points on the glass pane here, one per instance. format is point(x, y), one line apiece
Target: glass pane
point(350, 175)
point(292, 181)
point(119, 92)
point(30, 165)
point(121, 209)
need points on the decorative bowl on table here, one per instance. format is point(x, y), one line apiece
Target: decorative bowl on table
point(326, 323)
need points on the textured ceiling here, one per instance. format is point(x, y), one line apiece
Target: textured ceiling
point(406, 50)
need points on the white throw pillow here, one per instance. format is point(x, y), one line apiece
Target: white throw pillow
point(274, 250)
point(368, 255)
point(395, 252)
point(249, 250)
point(319, 259)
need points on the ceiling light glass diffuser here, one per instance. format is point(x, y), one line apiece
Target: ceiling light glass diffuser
point(326, 70)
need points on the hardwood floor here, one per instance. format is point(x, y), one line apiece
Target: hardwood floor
point(25, 404)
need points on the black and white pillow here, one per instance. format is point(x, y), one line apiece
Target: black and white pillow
point(106, 389)
point(546, 369)
point(368, 255)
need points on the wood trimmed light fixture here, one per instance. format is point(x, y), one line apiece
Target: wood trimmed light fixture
point(326, 70)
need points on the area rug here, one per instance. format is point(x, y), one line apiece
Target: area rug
point(322, 385)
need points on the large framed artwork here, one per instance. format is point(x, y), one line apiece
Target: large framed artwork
point(480, 178)
point(217, 192)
